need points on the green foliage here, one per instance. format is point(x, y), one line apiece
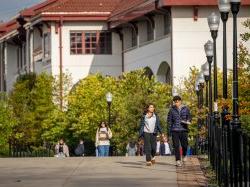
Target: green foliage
point(88, 107)
point(6, 122)
point(245, 120)
point(36, 115)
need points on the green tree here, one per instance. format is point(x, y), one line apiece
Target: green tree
point(6, 121)
point(88, 107)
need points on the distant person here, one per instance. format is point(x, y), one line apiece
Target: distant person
point(61, 149)
point(140, 147)
point(79, 151)
point(179, 118)
point(149, 127)
point(103, 136)
point(158, 145)
point(165, 149)
point(131, 148)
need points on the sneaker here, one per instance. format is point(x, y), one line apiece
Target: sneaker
point(185, 159)
point(148, 163)
point(178, 163)
point(153, 160)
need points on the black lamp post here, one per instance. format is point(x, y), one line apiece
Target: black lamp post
point(209, 53)
point(201, 82)
point(109, 101)
point(236, 149)
point(235, 6)
point(213, 22)
point(199, 91)
point(224, 7)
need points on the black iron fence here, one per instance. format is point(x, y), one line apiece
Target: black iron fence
point(229, 152)
point(14, 150)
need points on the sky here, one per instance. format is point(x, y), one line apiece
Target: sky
point(10, 8)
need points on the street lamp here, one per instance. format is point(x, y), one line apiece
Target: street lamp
point(201, 81)
point(209, 53)
point(224, 7)
point(109, 101)
point(205, 70)
point(213, 23)
point(235, 138)
point(199, 84)
point(235, 6)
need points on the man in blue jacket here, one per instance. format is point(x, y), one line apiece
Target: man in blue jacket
point(179, 118)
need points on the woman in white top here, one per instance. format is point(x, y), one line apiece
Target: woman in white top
point(103, 136)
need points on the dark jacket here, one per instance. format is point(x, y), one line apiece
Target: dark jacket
point(175, 117)
point(157, 125)
point(79, 151)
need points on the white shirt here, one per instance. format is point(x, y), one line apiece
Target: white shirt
point(158, 144)
point(150, 123)
point(167, 148)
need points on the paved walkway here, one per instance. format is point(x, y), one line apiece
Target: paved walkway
point(90, 172)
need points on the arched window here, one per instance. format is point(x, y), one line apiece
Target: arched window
point(148, 72)
point(164, 73)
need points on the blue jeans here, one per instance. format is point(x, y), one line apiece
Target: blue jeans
point(103, 150)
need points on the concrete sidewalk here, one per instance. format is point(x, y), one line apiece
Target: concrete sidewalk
point(87, 172)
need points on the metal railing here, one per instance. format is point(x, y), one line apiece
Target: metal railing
point(229, 152)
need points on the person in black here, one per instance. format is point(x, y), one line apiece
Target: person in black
point(149, 127)
point(79, 151)
point(179, 118)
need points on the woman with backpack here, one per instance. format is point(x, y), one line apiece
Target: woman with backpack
point(103, 136)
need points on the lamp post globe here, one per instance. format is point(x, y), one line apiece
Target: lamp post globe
point(224, 5)
point(213, 22)
point(209, 50)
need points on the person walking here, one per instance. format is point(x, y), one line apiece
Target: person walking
point(103, 136)
point(149, 127)
point(179, 118)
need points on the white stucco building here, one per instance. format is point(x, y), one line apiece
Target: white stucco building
point(81, 37)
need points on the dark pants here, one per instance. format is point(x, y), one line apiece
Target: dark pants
point(149, 145)
point(180, 137)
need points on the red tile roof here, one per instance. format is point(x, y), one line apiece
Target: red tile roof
point(195, 2)
point(126, 5)
point(114, 9)
point(38, 8)
point(8, 27)
point(84, 6)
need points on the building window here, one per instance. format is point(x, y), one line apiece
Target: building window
point(46, 45)
point(134, 38)
point(91, 42)
point(76, 43)
point(150, 31)
point(167, 24)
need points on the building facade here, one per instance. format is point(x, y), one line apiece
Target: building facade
point(82, 37)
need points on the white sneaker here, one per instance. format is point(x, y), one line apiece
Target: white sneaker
point(185, 159)
point(178, 163)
